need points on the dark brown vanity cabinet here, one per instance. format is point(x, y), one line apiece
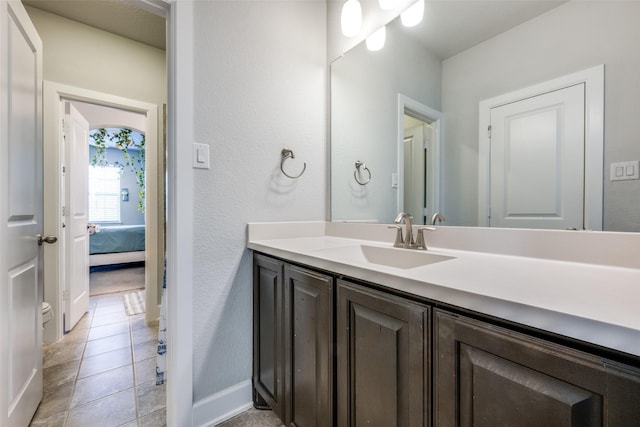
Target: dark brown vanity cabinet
point(293, 342)
point(487, 376)
point(375, 365)
point(308, 326)
point(383, 359)
point(268, 333)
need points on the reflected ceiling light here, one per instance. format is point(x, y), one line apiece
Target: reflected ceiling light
point(351, 18)
point(387, 4)
point(413, 15)
point(376, 40)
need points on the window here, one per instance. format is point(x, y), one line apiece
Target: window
point(104, 194)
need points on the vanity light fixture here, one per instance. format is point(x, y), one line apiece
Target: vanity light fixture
point(351, 18)
point(413, 15)
point(387, 4)
point(376, 40)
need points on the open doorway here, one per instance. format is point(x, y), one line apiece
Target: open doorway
point(418, 159)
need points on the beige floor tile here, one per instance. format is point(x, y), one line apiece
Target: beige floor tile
point(151, 398)
point(108, 330)
point(253, 418)
point(110, 411)
point(56, 420)
point(61, 352)
point(109, 318)
point(101, 385)
point(145, 350)
point(145, 370)
point(154, 419)
point(104, 362)
point(76, 335)
point(58, 375)
point(103, 345)
point(55, 401)
point(144, 334)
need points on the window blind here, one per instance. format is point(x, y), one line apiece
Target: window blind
point(104, 194)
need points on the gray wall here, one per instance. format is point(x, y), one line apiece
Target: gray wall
point(259, 81)
point(542, 49)
point(129, 213)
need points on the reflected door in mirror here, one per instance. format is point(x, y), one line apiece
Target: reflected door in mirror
point(537, 161)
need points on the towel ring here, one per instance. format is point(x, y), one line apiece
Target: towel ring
point(359, 167)
point(286, 153)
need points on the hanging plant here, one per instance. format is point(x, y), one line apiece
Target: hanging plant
point(132, 151)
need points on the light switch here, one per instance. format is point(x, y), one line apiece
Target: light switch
point(200, 156)
point(394, 180)
point(622, 171)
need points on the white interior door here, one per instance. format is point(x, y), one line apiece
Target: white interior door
point(21, 280)
point(76, 208)
point(537, 161)
point(415, 173)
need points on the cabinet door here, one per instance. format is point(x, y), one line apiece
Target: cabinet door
point(268, 375)
point(309, 348)
point(383, 359)
point(486, 376)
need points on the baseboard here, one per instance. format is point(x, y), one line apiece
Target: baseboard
point(222, 405)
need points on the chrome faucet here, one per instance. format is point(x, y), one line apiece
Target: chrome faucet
point(437, 217)
point(408, 242)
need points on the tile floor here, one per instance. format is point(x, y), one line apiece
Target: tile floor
point(253, 418)
point(102, 373)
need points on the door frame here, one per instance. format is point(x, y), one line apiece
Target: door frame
point(434, 118)
point(54, 95)
point(593, 79)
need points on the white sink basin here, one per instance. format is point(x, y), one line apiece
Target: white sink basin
point(392, 257)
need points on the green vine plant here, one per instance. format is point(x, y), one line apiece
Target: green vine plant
point(132, 150)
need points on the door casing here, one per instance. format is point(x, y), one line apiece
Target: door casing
point(54, 94)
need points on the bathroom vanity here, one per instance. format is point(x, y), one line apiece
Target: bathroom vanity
point(345, 335)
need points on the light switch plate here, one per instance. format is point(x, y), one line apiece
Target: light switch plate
point(200, 156)
point(622, 171)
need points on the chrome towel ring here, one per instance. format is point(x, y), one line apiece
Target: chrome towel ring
point(360, 166)
point(286, 153)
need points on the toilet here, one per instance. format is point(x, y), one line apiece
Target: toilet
point(47, 313)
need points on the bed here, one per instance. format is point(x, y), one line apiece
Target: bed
point(116, 244)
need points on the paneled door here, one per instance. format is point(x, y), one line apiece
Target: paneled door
point(537, 161)
point(21, 206)
point(76, 206)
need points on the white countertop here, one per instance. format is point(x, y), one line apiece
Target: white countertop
point(595, 303)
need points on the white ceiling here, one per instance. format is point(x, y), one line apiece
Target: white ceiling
point(116, 16)
point(452, 26)
point(449, 26)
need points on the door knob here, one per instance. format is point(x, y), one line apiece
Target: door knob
point(47, 239)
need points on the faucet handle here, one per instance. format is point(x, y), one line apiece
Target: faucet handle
point(420, 241)
point(399, 243)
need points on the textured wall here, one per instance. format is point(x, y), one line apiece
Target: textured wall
point(83, 56)
point(259, 86)
point(543, 49)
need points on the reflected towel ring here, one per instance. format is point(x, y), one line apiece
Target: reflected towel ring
point(360, 166)
point(286, 153)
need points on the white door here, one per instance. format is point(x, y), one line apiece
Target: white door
point(414, 173)
point(21, 281)
point(76, 204)
point(537, 161)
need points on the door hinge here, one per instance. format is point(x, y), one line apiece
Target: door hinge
point(63, 210)
point(489, 131)
point(64, 169)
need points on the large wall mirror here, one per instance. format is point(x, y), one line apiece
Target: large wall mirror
point(411, 114)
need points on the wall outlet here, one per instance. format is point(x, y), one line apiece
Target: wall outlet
point(622, 171)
